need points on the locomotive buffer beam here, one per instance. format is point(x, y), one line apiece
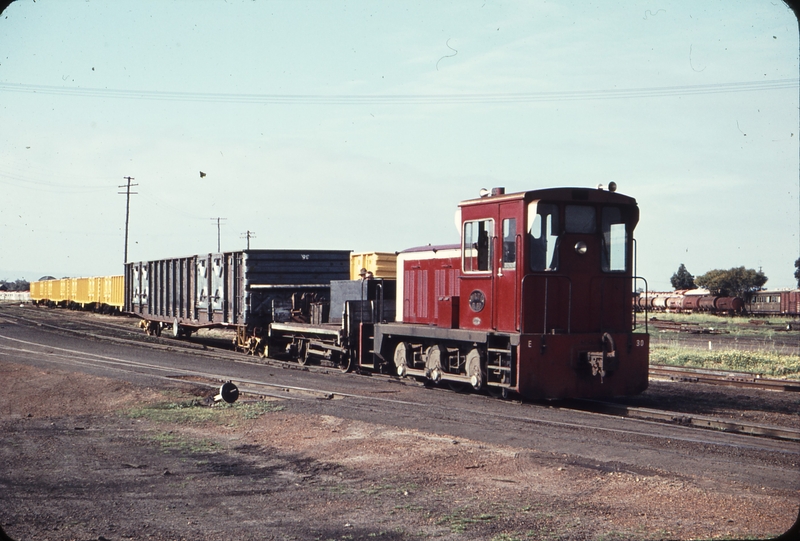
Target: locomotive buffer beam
point(603, 361)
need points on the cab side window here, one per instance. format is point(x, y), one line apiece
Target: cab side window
point(476, 251)
point(510, 243)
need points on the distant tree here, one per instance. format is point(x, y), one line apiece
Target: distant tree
point(682, 279)
point(797, 271)
point(17, 285)
point(735, 282)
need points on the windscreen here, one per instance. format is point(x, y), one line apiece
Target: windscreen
point(543, 230)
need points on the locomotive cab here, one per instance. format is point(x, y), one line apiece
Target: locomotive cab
point(563, 283)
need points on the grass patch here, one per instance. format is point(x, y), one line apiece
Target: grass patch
point(171, 442)
point(762, 362)
point(458, 522)
point(195, 412)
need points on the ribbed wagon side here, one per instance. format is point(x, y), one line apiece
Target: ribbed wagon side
point(246, 290)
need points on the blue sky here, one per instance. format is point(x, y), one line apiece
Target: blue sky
point(361, 125)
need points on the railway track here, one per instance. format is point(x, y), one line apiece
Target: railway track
point(646, 417)
point(684, 419)
point(672, 373)
point(263, 388)
point(722, 377)
point(279, 390)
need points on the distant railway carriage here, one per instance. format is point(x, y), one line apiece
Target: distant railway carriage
point(102, 293)
point(775, 302)
point(783, 302)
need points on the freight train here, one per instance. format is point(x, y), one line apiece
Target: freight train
point(100, 293)
point(777, 302)
point(535, 300)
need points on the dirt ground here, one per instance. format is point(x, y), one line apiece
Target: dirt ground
point(86, 458)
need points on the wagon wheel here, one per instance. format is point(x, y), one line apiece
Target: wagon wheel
point(344, 362)
point(302, 353)
point(252, 345)
point(153, 328)
point(177, 330)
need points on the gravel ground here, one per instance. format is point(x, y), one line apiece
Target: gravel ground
point(89, 458)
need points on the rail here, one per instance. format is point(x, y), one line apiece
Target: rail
point(723, 377)
point(686, 419)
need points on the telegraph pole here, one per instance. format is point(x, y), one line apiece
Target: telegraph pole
point(249, 235)
point(128, 194)
point(218, 230)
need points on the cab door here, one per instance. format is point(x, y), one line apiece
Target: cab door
point(506, 276)
point(476, 283)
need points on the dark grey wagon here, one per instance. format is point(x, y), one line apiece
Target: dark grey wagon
point(245, 290)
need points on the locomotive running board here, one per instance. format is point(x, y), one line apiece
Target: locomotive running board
point(422, 331)
point(453, 377)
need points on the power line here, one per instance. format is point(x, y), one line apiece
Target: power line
point(408, 99)
point(15, 179)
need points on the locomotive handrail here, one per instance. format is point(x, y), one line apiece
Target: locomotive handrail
point(546, 289)
point(646, 294)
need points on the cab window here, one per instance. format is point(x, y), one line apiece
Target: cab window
point(543, 230)
point(580, 219)
point(510, 243)
point(615, 241)
point(476, 251)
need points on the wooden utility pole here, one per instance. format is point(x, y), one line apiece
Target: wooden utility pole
point(249, 235)
point(128, 194)
point(218, 231)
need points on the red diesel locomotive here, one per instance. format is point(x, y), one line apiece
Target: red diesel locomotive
point(535, 300)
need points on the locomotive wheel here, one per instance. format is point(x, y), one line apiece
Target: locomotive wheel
point(433, 362)
point(474, 368)
point(401, 355)
point(177, 331)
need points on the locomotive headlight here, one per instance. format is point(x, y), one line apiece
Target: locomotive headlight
point(477, 300)
point(580, 247)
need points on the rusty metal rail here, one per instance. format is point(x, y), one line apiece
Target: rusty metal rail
point(720, 377)
point(686, 419)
